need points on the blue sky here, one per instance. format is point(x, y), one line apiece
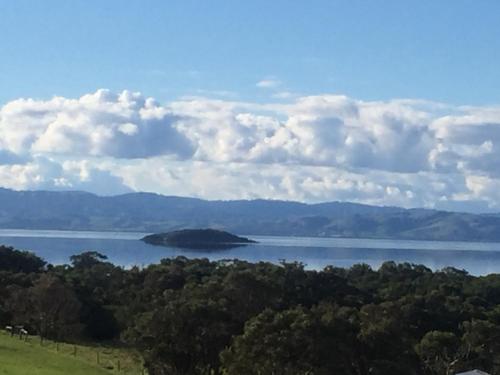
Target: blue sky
point(379, 101)
point(439, 50)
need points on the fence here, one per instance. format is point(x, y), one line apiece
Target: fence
point(115, 360)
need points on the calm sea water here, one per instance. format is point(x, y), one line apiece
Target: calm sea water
point(125, 249)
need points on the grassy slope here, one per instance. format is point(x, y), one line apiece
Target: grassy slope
point(21, 358)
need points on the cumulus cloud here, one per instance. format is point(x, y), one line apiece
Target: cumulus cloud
point(278, 181)
point(125, 125)
point(316, 148)
point(46, 174)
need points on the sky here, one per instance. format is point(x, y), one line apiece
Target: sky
point(382, 102)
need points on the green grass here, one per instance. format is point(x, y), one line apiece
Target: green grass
point(30, 358)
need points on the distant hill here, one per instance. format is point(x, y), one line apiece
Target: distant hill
point(156, 213)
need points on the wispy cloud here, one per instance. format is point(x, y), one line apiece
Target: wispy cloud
point(284, 95)
point(212, 93)
point(269, 83)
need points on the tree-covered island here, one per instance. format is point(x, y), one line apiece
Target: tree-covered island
point(198, 239)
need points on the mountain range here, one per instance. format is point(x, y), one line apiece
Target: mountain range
point(148, 212)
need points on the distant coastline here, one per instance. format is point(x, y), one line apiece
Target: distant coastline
point(153, 213)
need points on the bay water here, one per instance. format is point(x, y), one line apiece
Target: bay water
point(126, 249)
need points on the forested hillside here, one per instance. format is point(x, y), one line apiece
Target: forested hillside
point(156, 213)
point(236, 318)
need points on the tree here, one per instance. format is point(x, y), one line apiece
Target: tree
point(439, 352)
point(185, 336)
point(294, 342)
point(87, 259)
point(386, 340)
point(19, 261)
point(55, 308)
point(481, 345)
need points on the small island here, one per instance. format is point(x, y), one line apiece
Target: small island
point(208, 239)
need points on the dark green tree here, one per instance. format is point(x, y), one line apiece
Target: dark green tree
point(439, 352)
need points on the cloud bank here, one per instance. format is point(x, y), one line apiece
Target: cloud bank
point(316, 148)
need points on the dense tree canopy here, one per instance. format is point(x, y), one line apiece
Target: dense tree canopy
point(193, 316)
point(19, 261)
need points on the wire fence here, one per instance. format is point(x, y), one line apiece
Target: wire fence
point(115, 360)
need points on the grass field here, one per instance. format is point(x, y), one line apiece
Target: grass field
point(30, 358)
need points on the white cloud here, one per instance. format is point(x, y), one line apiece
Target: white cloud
point(47, 174)
point(124, 125)
point(284, 95)
point(277, 181)
point(269, 83)
point(316, 148)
